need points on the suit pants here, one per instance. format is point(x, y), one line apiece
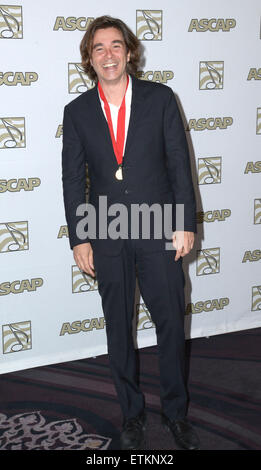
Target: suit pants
point(161, 283)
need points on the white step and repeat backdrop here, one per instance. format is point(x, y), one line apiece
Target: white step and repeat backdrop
point(210, 56)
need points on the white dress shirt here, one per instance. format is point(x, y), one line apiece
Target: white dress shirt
point(115, 109)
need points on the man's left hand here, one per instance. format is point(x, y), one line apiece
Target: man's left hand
point(182, 242)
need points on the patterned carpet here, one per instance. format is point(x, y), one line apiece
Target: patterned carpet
point(74, 405)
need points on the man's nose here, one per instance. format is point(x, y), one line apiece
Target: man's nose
point(108, 52)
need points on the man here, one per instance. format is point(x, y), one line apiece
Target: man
point(130, 134)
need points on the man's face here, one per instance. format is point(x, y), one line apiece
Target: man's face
point(109, 55)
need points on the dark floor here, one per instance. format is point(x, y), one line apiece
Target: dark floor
point(74, 405)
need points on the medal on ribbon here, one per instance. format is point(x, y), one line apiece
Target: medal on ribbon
point(118, 143)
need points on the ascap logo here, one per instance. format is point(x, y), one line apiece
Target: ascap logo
point(18, 287)
point(210, 123)
point(78, 80)
point(256, 298)
point(257, 211)
point(143, 317)
point(12, 132)
point(208, 261)
point(253, 167)
point(85, 325)
point(63, 232)
point(157, 76)
point(212, 216)
point(17, 337)
point(14, 185)
point(82, 282)
point(254, 74)
point(207, 305)
point(59, 131)
point(18, 78)
point(11, 22)
point(13, 236)
point(211, 75)
point(212, 25)
point(258, 121)
point(209, 170)
point(254, 255)
point(72, 23)
point(149, 25)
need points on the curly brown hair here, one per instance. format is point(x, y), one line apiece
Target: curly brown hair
point(131, 42)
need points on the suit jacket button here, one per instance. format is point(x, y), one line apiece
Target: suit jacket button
point(126, 191)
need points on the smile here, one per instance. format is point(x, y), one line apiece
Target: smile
point(109, 65)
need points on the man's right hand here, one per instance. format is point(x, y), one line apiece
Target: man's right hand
point(83, 256)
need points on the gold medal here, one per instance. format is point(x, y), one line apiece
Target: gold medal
point(118, 174)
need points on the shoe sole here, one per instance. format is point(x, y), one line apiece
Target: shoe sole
point(140, 447)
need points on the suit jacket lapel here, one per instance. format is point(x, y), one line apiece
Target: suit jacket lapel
point(136, 113)
point(101, 123)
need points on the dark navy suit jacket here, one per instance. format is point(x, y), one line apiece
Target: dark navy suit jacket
point(156, 161)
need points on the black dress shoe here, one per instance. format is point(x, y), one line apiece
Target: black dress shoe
point(132, 436)
point(183, 432)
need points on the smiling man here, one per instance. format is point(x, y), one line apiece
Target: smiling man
point(109, 59)
point(131, 135)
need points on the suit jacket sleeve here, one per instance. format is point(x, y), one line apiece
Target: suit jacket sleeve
point(73, 176)
point(178, 163)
